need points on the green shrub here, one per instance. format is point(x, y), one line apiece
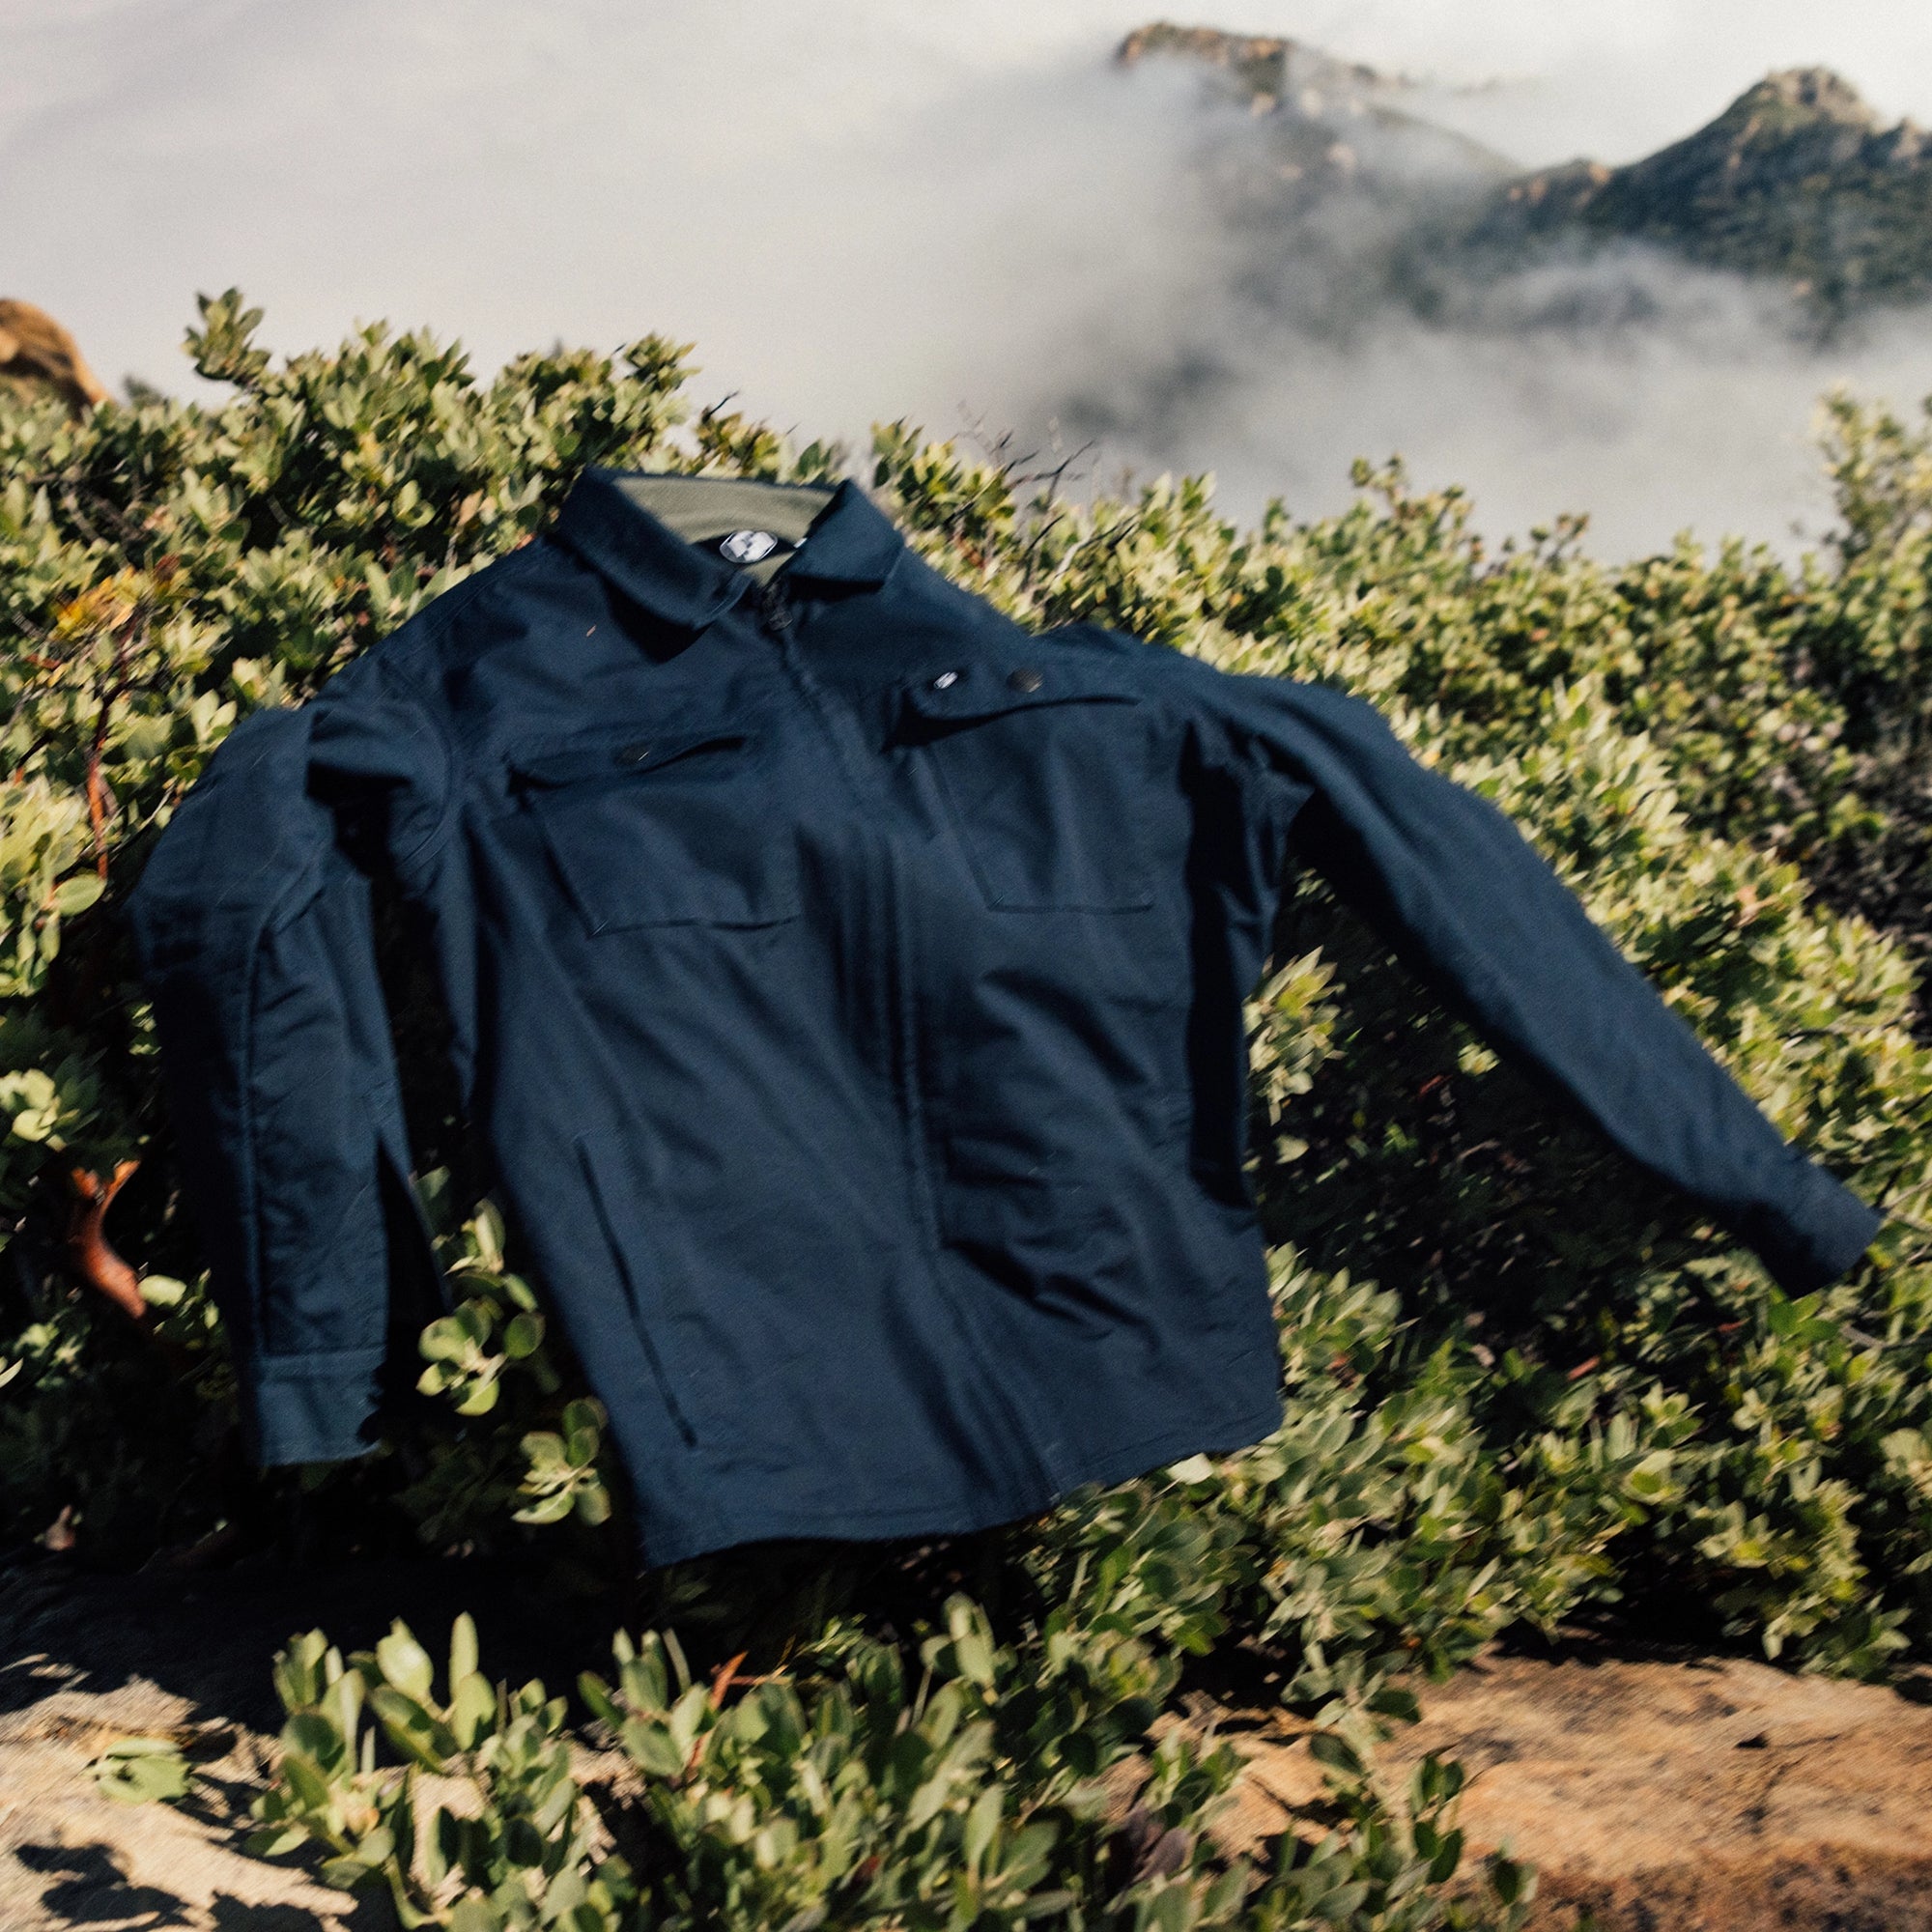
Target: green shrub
point(849, 1788)
point(1522, 1387)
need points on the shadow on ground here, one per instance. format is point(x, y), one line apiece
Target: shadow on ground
point(87, 1658)
point(1660, 1793)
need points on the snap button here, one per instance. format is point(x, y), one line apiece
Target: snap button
point(748, 546)
point(1026, 678)
point(633, 754)
point(945, 680)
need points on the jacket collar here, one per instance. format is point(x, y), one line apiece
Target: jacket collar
point(851, 542)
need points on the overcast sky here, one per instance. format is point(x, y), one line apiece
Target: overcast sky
point(862, 209)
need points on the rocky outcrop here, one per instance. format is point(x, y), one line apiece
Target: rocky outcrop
point(1327, 127)
point(1709, 1793)
point(1797, 178)
point(1208, 43)
point(39, 357)
point(1266, 69)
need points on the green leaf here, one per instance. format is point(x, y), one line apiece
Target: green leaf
point(983, 1821)
point(1448, 1856)
point(583, 1417)
point(413, 1728)
point(651, 1747)
point(523, 1336)
point(1337, 1753)
point(306, 1780)
point(596, 1695)
point(445, 1340)
point(405, 1662)
point(1512, 1883)
point(1392, 1700)
point(472, 1710)
point(463, 1652)
point(480, 1397)
point(76, 893)
point(138, 1770)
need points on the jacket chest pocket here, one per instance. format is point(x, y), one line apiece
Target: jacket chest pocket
point(666, 828)
point(1045, 772)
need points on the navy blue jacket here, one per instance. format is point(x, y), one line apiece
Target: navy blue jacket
point(848, 984)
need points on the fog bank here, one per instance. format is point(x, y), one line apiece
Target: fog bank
point(960, 216)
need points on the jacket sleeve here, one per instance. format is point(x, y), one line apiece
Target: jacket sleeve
point(1468, 905)
point(252, 925)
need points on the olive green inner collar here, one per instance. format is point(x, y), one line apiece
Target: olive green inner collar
point(704, 510)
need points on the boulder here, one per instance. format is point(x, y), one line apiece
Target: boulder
point(38, 356)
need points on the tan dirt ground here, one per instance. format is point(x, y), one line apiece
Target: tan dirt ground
point(1712, 1796)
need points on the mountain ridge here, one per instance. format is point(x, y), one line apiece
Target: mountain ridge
point(1798, 180)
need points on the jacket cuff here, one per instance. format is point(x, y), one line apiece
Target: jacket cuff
point(1815, 1233)
point(310, 1409)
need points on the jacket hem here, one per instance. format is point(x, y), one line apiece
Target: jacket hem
point(1118, 1463)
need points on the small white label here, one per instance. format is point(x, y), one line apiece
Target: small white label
point(748, 546)
point(944, 679)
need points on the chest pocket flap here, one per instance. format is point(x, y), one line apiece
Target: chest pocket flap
point(673, 827)
point(1047, 769)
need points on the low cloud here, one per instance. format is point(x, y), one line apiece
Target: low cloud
point(1652, 395)
point(960, 216)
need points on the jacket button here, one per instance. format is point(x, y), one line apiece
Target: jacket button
point(633, 754)
point(1026, 678)
point(946, 680)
